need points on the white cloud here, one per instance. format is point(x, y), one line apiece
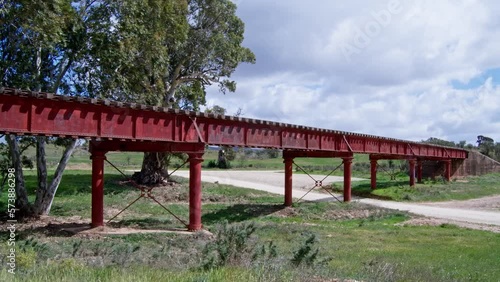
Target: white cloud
point(396, 85)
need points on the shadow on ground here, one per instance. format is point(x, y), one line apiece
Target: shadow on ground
point(240, 212)
point(364, 189)
point(146, 223)
point(53, 230)
point(74, 184)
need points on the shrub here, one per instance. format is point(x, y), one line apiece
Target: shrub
point(266, 253)
point(272, 153)
point(306, 254)
point(211, 164)
point(224, 165)
point(231, 246)
point(26, 259)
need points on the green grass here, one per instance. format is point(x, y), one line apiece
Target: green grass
point(72, 271)
point(376, 248)
point(438, 190)
point(81, 157)
point(133, 160)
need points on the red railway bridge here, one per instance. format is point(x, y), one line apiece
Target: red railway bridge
point(116, 126)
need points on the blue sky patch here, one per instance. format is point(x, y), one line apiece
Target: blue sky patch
point(478, 80)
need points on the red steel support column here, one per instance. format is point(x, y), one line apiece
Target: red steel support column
point(373, 170)
point(419, 171)
point(447, 173)
point(347, 178)
point(288, 181)
point(98, 158)
point(195, 161)
point(412, 172)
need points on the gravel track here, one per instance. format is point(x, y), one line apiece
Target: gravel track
point(484, 211)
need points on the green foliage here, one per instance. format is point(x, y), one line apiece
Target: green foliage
point(44, 46)
point(206, 52)
point(211, 164)
point(215, 35)
point(216, 110)
point(35, 45)
point(28, 157)
point(28, 252)
point(306, 254)
point(266, 252)
point(165, 53)
point(462, 144)
point(488, 147)
point(219, 164)
point(231, 245)
point(5, 160)
point(272, 153)
point(367, 243)
point(230, 153)
point(483, 139)
point(441, 142)
point(153, 52)
point(224, 165)
point(134, 47)
point(26, 259)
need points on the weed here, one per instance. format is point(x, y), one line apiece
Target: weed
point(364, 240)
point(211, 164)
point(381, 271)
point(265, 252)
point(306, 253)
point(69, 264)
point(26, 259)
point(231, 245)
point(76, 248)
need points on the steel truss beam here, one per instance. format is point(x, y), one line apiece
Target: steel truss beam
point(315, 154)
point(34, 113)
point(146, 146)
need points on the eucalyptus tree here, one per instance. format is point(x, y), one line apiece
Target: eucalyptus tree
point(205, 50)
point(73, 48)
point(157, 52)
point(37, 48)
point(164, 53)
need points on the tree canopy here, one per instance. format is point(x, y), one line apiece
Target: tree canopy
point(165, 53)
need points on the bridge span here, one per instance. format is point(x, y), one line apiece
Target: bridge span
point(116, 126)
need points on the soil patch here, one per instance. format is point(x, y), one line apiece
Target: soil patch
point(172, 192)
point(491, 203)
point(335, 214)
point(430, 221)
point(48, 226)
point(79, 166)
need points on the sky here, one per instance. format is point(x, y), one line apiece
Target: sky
point(396, 68)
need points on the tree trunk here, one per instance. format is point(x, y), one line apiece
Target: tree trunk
point(154, 169)
point(22, 202)
point(41, 169)
point(45, 197)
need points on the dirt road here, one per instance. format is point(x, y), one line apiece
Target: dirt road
point(478, 211)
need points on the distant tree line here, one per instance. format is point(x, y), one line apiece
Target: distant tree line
point(485, 145)
point(488, 147)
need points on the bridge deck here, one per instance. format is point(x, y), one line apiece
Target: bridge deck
point(25, 112)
